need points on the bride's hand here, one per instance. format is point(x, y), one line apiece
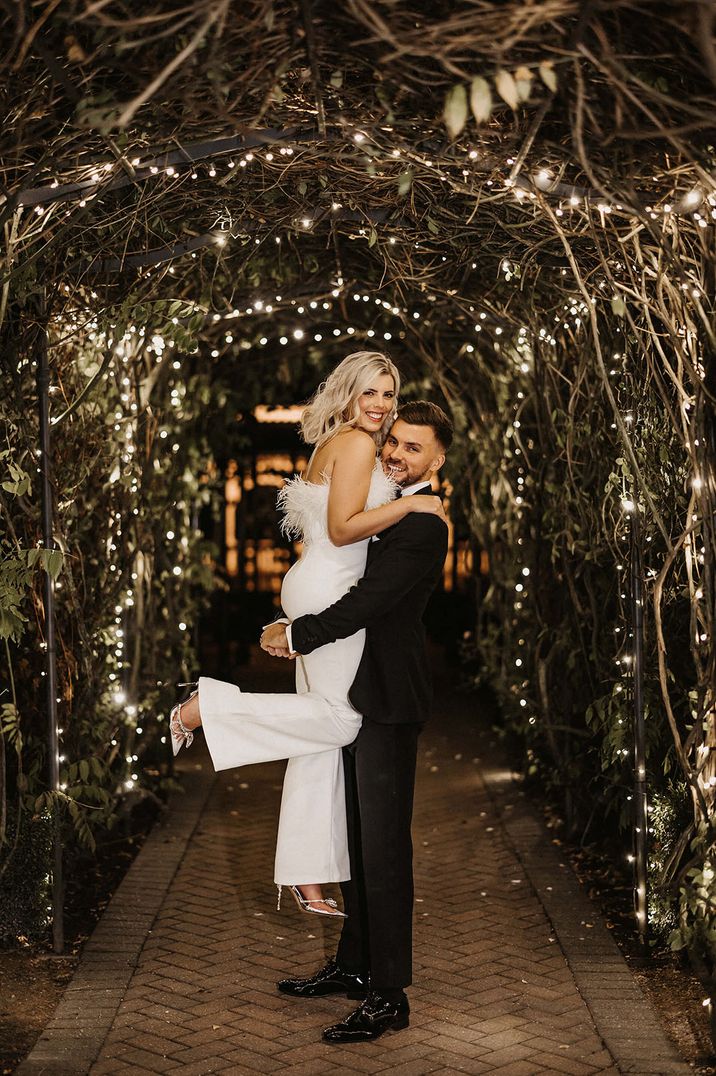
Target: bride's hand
point(275, 641)
point(426, 503)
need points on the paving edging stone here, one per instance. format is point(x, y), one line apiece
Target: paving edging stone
point(623, 1015)
point(74, 1036)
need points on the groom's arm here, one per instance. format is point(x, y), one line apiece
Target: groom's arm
point(414, 549)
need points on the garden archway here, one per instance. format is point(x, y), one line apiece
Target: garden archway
point(519, 202)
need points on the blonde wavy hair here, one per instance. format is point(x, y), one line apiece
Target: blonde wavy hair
point(334, 406)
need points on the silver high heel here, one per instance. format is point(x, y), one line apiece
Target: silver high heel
point(179, 732)
point(305, 905)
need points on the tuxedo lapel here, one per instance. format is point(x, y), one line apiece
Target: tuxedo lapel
point(374, 546)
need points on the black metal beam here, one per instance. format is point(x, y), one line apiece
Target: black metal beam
point(53, 741)
point(158, 255)
point(641, 832)
point(160, 160)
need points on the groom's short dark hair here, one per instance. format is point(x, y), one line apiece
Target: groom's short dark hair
point(425, 413)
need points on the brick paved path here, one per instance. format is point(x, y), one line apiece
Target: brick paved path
point(493, 991)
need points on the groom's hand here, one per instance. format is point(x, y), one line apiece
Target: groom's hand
point(275, 641)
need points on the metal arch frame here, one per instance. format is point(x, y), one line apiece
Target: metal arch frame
point(147, 170)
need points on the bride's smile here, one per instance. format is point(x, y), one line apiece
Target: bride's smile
point(376, 402)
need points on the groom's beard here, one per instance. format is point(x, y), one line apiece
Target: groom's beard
point(403, 478)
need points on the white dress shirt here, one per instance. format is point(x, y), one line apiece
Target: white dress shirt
point(409, 490)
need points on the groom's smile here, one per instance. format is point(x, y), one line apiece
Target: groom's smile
point(411, 453)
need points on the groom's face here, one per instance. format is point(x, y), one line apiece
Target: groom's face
point(411, 453)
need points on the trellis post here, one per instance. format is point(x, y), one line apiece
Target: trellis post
point(47, 501)
point(641, 840)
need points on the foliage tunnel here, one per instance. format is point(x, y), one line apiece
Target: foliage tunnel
point(206, 205)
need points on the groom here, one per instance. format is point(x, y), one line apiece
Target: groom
point(392, 692)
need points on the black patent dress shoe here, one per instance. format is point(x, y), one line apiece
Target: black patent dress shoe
point(329, 980)
point(370, 1020)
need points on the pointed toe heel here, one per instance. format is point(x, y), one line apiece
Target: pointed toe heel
point(180, 734)
point(306, 905)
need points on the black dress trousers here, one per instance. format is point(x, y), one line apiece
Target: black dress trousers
point(377, 937)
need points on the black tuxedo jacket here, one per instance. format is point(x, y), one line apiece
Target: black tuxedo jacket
point(392, 685)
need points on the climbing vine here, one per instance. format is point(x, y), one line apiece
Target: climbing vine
point(518, 202)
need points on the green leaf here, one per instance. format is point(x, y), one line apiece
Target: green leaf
point(405, 182)
point(676, 940)
point(84, 835)
point(337, 79)
point(20, 483)
point(505, 86)
point(455, 110)
point(385, 100)
point(91, 113)
point(52, 561)
point(548, 75)
point(481, 99)
point(12, 623)
point(618, 306)
point(523, 83)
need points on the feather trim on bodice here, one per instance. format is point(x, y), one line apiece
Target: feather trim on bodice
point(305, 504)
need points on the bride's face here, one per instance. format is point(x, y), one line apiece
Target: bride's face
point(376, 403)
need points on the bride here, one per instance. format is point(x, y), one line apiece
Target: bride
point(343, 500)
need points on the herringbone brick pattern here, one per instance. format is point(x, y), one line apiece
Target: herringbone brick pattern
point(492, 993)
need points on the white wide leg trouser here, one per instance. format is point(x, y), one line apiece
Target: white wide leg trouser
point(309, 729)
